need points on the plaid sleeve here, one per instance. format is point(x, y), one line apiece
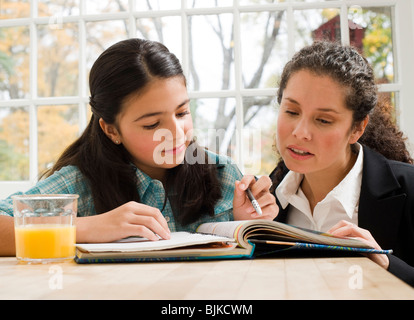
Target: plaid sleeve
point(228, 173)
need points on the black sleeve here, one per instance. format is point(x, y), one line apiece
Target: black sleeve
point(401, 269)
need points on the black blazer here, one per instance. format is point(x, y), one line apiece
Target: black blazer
point(386, 209)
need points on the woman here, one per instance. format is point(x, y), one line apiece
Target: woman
point(133, 167)
point(344, 167)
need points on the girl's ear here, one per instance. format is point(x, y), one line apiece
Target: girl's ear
point(358, 131)
point(111, 131)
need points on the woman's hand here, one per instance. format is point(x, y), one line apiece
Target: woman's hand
point(242, 206)
point(347, 229)
point(130, 219)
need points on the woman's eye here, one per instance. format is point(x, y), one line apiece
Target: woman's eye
point(183, 114)
point(323, 121)
point(292, 113)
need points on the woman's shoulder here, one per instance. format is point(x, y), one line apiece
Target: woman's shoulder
point(378, 165)
point(402, 170)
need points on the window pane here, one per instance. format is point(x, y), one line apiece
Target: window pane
point(376, 41)
point(14, 62)
point(58, 8)
point(390, 99)
point(166, 30)
point(310, 0)
point(263, 48)
point(211, 52)
point(99, 6)
point(214, 124)
point(209, 3)
point(14, 144)
point(57, 128)
point(259, 138)
point(102, 34)
point(316, 24)
point(13, 9)
point(157, 5)
point(254, 2)
point(58, 60)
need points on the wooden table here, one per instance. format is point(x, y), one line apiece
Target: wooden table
point(288, 278)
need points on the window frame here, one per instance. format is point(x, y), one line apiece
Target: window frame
point(403, 46)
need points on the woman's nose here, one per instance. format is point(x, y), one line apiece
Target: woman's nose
point(302, 130)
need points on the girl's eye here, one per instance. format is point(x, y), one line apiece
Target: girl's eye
point(152, 126)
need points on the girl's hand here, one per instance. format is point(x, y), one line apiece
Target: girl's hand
point(242, 206)
point(130, 219)
point(347, 229)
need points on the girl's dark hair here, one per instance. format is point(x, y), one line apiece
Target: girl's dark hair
point(352, 71)
point(124, 69)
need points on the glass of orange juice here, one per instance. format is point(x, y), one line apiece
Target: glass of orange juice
point(45, 227)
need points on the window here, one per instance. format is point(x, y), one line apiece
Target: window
point(232, 52)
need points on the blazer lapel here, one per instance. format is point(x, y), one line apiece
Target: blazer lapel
point(381, 201)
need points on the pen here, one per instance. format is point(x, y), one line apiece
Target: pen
point(254, 201)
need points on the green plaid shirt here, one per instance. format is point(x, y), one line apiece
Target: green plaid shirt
point(69, 180)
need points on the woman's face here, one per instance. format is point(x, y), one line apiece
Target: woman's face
point(314, 127)
point(155, 126)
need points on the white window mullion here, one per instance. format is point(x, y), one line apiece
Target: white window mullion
point(83, 84)
point(403, 41)
point(238, 86)
point(185, 38)
point(290, 31)
point(344, 25)
point(132, 32)
point(33, 131)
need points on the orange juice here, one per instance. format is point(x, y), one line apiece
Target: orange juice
point(45, 241)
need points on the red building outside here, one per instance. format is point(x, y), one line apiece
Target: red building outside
point(331, 31)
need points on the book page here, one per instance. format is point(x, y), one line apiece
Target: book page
point(226, 229)
point(178, 239)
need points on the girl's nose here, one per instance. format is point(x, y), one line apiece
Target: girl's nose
point(176, 128)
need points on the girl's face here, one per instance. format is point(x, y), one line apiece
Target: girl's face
point(314, 128)
point(155, 126)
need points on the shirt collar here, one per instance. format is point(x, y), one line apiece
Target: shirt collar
point(144, 182)
point(347, 192)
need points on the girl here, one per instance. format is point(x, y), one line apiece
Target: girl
point(133, 166)
point(344, 166)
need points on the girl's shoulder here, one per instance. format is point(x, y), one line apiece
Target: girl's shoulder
point(67, 179)
point(68, 173)
point(218, 159)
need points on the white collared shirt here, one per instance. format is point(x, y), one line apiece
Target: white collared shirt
point(339, 204)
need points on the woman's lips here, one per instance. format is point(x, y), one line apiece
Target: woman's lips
point(299, 153)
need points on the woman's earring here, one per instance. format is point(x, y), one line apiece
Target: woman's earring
point(116, 142)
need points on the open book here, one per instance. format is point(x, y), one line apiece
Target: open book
point(218, 240)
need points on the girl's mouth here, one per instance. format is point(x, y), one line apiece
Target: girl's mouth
point(176, 150)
